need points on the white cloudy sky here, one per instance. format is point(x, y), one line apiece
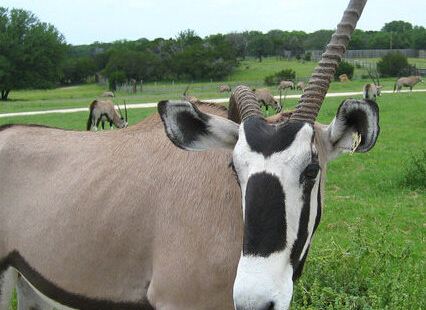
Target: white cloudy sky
point(85, 21)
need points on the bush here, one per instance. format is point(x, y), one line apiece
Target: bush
point(415, 172)
point(274, 79)
point(344, 68)
point(393, 64)
point(115, 79)
point(307, 56)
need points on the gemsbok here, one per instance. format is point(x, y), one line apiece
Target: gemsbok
point(224, 88)
point(300, 85)
point(168, 229)
point(101, 111)
point(372, 90)
point(265, 98)
point(285, 84)
point(410, 82)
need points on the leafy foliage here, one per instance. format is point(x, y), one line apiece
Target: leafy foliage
point(344, 68)
point(286, 74)
point(393, 64)
point(31, 52)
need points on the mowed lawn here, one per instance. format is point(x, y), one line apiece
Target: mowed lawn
point(249, 72)
point(369, 250)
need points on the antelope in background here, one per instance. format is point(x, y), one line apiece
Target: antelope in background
point(265, 98)
point(371, 91)
point(224, 88)
point(286, 84)
point(300, 85)
point(343, 78)
point(101, 111)
point(180, 240)
point(108, 94)
point(410, 81)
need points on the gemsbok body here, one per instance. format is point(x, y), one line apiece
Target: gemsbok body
point(285, 85)
point(224, 88)
point(101, 111)
point(410, 82)
point(300, 85)
point(265, 98)
point(109, 94)
point(165, 228)
point(372, 90)
point(343, 78)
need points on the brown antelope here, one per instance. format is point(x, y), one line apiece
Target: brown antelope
point(179, 232)
point(343, 78)
point(410, 81)
point(286, 84)
point(108, 94)
point(224, 88)
point(371, 91)
point(300, 85)
point(101, 111)
point(265, 98)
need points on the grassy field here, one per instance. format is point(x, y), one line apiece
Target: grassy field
point(250, 72)
point(369, 251)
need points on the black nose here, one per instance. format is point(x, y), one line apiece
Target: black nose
point(269, 306)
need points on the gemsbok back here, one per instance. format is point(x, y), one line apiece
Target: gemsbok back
point(165, 228)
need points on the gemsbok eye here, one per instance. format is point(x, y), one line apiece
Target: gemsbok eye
point(311, 171)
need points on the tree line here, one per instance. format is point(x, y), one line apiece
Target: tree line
point(34, 54)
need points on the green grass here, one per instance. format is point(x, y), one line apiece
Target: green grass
point(369, 250)
point(250, 72)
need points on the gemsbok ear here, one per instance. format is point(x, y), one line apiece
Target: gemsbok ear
point(354, 129)
point(190, 129)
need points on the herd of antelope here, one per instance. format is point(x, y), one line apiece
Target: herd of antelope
point(152, 224)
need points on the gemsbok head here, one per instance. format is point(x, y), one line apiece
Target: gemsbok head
point(280, 168)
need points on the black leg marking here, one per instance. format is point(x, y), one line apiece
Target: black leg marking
point(63, 297)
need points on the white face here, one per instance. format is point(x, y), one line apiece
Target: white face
point(279, 178)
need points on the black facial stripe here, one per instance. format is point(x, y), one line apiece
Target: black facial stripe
point(267, 139)
point(302, 233)
point(265, 219)
point(56, 293)
point(299, 269)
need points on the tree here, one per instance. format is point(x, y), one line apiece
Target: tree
point(31, 52)
point(392, 64)
point(397, 26)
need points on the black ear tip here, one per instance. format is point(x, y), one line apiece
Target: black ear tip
point(162, 106)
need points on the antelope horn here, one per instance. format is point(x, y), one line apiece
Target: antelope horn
point(186, 90)
point(371, 76)
point(119, 110)
point(125, 110)
point(243, 104)
point(314, 93)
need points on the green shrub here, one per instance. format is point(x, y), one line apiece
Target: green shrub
point(415, 172)
point(393, 64)
point(286, 74)
point(344, 68)
point(115, 79)
point(307, 56)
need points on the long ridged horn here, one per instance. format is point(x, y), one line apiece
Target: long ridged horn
point(314, 93)
point(243, 104)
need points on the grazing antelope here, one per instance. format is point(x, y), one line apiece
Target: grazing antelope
point(101, 111)
point(343, 78)
point(179, 232)
point(371, 91)
point(300, 85)
point(224, 88)
point(108, 94)
point(265, 98)
point(286, 84)
point(410, 81)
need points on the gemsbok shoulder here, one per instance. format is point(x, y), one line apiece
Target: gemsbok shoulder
point(165, 228)
point(410, 82)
